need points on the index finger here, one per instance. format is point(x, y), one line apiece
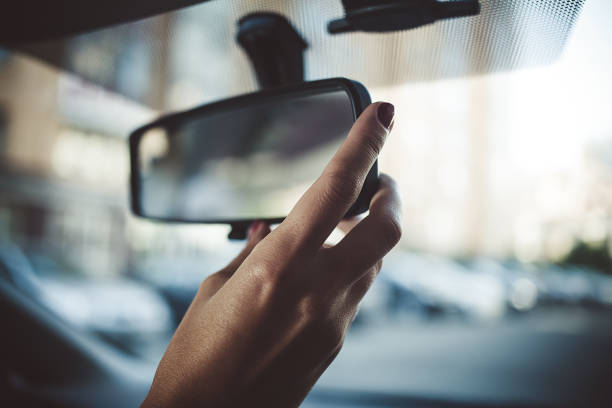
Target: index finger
point(327, 201)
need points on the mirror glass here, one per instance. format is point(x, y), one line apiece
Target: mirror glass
point(244, 162)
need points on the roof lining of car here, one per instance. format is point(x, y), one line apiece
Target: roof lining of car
point(30, 20)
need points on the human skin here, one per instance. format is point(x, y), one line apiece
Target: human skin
point(261, 331)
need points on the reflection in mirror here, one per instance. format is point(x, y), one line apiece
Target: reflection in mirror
point(241, 163)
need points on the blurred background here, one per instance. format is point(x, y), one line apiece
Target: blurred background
point(506, 181)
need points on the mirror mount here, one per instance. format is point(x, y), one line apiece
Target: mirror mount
point(274, 48)
point(276, 52)
point(239, 230)
point(380, 16)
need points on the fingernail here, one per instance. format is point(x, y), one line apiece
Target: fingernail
point(254, 227)
point(385, 113)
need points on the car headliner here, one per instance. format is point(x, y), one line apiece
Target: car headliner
point(27, 20)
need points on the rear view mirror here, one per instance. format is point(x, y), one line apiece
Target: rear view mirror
point(244, 158)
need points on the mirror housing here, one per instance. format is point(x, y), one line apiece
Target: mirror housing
point(211, 136)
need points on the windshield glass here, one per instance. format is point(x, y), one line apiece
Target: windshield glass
point(507, 194)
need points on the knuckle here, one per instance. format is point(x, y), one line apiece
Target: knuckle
point(389, 181)
point(374, 140)
point(268, 270)
point(215, 279)
point(391, 230)
point(266, 275)
point(213, 282)
point(309, 309)
point(341, 187)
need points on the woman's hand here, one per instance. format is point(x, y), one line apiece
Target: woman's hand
point(261, 331)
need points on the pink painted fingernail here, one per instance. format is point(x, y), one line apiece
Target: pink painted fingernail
point(255, 227)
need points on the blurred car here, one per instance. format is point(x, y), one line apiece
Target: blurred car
point(447, 284)
point(124, 312)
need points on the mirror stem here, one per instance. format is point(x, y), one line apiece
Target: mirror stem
point(274, 47)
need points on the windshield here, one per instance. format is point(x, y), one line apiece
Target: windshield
point(507, 193)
